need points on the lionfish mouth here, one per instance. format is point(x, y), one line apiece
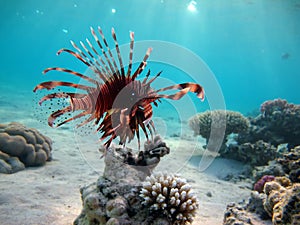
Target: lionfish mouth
point(115, 100)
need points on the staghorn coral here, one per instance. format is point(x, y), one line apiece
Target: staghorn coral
point(218, 120)
point(170, 195)
point(21, 147)
point(282, 201)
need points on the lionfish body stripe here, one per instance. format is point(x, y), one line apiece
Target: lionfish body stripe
point(119, 104)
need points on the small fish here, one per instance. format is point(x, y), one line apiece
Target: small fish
point(285, 55)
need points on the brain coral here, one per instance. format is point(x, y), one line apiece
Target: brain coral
point(26, 145)
point(170, 195)
point(202, 123)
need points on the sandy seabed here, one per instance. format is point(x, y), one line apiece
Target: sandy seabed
point(50, 194)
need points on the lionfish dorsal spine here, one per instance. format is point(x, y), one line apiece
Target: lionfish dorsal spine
point(131, 34)
point(142, 64)
point(113, 65)
point(118, 51)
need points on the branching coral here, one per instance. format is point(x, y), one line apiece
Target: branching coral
point(26, 145)
point(170, 195)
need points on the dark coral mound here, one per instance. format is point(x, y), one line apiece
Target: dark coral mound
point(255, 154)
point(21, 147)
point(279, 122)
point(290, 163)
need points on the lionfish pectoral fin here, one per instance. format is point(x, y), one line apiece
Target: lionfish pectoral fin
point(52, 84)
point(183, 88)
point(57, 114)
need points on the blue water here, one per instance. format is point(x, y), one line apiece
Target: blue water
point(251, 46)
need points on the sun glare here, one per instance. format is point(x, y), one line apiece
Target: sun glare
point(192, 6)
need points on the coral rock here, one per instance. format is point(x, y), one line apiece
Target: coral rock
point(259, 185)
point(283, 203)
point(291, 164)
point(279, 122)
point(255, 154)
point(123, 164)
point(27, 145)
point(236, 215)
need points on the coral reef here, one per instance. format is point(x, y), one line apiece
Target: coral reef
point(279, 122)
point(273, 168)
point(115, 197)
point(259, 185)
point(230, 121)
point(21, 147)
point(290, 162)
point(279, 204)
point(170, 195)
point(255, 205)
point(143, 162)
point(236, 215)
point(282, 201)
point(256, 154)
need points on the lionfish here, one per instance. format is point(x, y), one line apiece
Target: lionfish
point(118, 103)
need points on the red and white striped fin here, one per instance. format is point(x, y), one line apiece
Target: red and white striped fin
point(108, 72)
point(93, 66)
point(91, 118)
point(83, 55)
point(71, 72)
point(103, 52)
point(156, 76)
point(57, 114)
point(73, 118)
point(146, 78)
point(52, 84)
point(109, 52)
point(131, 34)
point(142, 64)
point(75, 54)
point(59, 95)
point(184, 88)
point(104, 70)
point(118, 51)
point(112, 64)
point(97, 70)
